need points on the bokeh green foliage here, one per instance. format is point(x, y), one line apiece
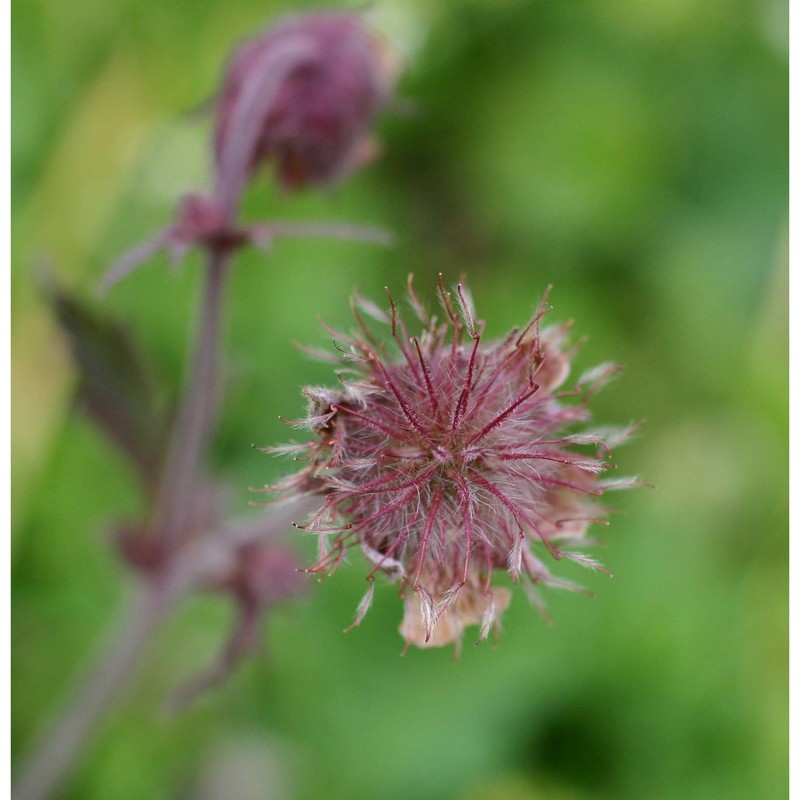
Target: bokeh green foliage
point(632, 154)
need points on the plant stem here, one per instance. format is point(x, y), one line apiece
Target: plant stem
point(133, 631)
point(195, 414)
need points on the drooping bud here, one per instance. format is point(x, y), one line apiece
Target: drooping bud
point(303, 96)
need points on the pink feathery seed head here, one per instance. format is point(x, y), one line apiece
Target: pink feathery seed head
point(448, 460)
point(309, 89)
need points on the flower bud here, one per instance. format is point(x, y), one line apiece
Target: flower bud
point(263, 574)
point(309, 89)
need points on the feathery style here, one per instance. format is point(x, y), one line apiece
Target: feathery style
point(447, 459)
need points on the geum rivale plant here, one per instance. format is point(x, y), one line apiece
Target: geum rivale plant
point(445, 458)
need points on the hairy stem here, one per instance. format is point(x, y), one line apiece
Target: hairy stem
point(131, 634)
point(195, 414)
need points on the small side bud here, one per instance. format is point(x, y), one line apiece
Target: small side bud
point(259, 576)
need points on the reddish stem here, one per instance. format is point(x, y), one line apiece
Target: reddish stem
point(195, 414)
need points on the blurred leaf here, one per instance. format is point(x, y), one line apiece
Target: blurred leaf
point(116, 383)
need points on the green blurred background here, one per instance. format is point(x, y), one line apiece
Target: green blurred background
point(632, 153)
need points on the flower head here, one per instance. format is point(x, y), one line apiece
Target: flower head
point(303, 95)
point(447, 460)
